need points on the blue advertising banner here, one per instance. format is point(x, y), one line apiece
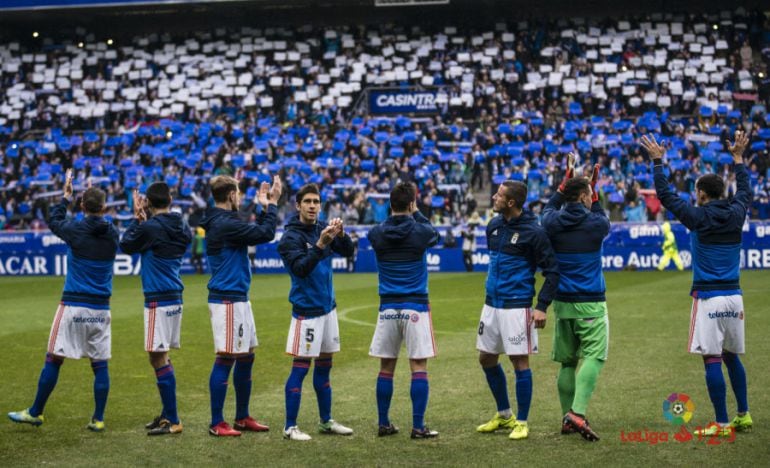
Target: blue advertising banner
point(629, 246)
point(402, 101)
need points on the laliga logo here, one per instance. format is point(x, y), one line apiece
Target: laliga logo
point(678, 408)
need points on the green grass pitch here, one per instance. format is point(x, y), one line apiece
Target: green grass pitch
point(649, 316)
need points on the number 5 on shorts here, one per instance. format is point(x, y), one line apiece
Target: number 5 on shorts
point(309, 337)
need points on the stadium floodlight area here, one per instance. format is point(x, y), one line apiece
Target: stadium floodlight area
point(398, 3)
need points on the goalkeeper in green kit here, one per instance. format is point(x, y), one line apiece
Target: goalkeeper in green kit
point(670, 250)
point(577, 225)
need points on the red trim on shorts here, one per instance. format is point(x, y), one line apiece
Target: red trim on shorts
point(151, 327)
point(693, 317)
point(229, 326)
point(297, 334)
point(529, 334)
point(55, 329)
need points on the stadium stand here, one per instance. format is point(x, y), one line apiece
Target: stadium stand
point(512, 101)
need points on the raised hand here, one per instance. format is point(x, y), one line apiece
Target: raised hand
point(276, 189)
point(570, 171)
point(652, 147)
point(139, 207)
point(594, 180)
point(739, 146)
point(68, 176)
point(263, 197)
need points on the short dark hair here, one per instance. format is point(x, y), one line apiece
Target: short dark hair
point(516, 191)
point(307, 188)
point(94, 200)
point(222, 186)
point(402, 195)
point(575, 187)
point(159, 195)
point(712, 184)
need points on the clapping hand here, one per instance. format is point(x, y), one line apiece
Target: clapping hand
point(68, 184)
point(276, 189)
point(263, 195)
point(139, 207)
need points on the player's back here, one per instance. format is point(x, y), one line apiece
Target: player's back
point(162, 241)
point(400, 244)
point(91, 247)
point(716, 246)
point(577, 235)
point(227, 258)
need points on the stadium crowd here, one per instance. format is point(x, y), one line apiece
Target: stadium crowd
point(513, 100)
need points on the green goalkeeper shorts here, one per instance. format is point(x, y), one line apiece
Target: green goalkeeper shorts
point(586, 336)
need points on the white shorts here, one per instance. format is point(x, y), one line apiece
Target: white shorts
point(717, 324)
point(233, 327)
point(79, 332)
point(162, 327)
point(506, 331)
point(311, 336)
point(395, 326)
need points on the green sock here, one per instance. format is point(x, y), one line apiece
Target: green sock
point(586, 382)
point(566, 385)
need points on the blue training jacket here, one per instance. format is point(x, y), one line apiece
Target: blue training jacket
point(310, 268)
point(162, 240)
point(400, 244)
point(91, 247)
point(516, 249)
point(715, 234)
point(227, 241)
point(577, 234)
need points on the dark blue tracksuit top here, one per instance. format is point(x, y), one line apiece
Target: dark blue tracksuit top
point(162, 240)
point(91, 247)
point(577, 234)
point(227, 240)
point(310, 268)
point(400, 244)
point(517, 248)
point(716, 231)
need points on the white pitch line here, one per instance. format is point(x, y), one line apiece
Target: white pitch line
point(342, 315)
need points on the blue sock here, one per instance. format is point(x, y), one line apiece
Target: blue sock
point(166, 381)
point(523, 393)
point(384, 395)
point(220, 373)
point(498, 385)
point(419, 393)
point(242, 384)
point(737, 379)
point(47, 382)
point(293, 390)
point(101, 388)
point(323, 388)
point(715, 382)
